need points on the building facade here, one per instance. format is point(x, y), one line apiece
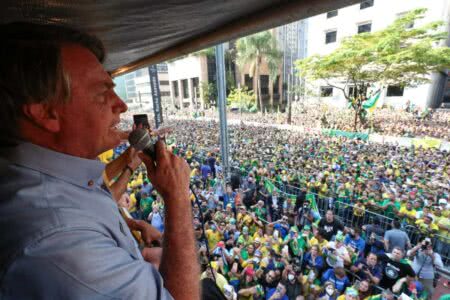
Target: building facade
point(326, 31)
point(134, 88)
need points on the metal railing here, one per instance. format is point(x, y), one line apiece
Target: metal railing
point(344, 212)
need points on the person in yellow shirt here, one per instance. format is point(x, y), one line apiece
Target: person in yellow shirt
point(213, 235)
point(359, 210)
point(408, 213)
point(318, 240)
point(426, 225)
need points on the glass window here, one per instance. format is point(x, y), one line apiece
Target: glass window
point(185, 84)
point(175, 88)
point(367, 27)
point(332, 14)
point(326, 91)
point(395, 91)
point(366, 4)
point(264, 84)
point(330, 37)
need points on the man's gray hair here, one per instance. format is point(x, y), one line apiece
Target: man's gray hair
point(32, 71)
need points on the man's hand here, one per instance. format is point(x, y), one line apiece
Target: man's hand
point(149, 234)
point(152, 255)
point(134, 160)
point(169, 174)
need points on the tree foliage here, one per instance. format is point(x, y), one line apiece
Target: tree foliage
point(252, 51)
point(208, 92)
point(397, 55)
point(241, 98)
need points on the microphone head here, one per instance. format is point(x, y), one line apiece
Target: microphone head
point(140, 139)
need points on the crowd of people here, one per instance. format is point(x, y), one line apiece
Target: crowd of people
point(406, 122)
point(267, 238)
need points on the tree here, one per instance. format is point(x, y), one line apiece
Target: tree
point(208, 91)
point(242, 98)
point(398, 55)
point(253, 50)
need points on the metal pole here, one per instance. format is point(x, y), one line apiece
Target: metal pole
point(221, 93)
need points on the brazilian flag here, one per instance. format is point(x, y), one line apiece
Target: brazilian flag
point(371, 103)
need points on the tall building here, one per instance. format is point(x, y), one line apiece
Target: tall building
point(135, 90)
point(292, 39)
point(326, 31)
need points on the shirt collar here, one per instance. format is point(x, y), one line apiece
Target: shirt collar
point(79, 171)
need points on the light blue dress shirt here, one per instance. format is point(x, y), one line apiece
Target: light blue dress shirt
point(61, 234)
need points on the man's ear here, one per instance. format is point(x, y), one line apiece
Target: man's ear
point(42, 115)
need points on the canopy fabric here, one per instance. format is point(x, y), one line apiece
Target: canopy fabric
point(141, 32)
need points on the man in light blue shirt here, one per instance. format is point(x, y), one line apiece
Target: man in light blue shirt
point(62, 236)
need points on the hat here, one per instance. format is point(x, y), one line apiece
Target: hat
point(306, 227)
point(351, 292)
point(245, 229)
point(220, 244)
point(249, 272)
point(443, 201)
point(257, 240)
point(339, 237)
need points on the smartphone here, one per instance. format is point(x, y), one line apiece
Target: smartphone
point(141, 121)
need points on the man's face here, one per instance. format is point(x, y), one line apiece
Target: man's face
point(88, 122)
point(397, 255)
point(329, 216)
point(372, 260)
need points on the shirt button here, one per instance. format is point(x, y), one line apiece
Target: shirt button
point(91, 182)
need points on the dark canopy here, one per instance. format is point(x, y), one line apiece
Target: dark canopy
point(142, 32)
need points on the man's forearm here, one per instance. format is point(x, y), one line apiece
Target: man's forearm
point(120, 185)
point(179, 266)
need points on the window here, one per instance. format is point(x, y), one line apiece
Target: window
point(185, 84)
point(264, 84)
point(162, 68)
point(142, 72)
point(164, 82)
point(366, 4)
point(395, 91)
point(330, 37)
point(248, 82)
point(175, 88)
point(351, 91)
point(196, 87)
point(332, 14)
point(367, 27)
point(165, 94)
point(326, 91)
point(276, 85)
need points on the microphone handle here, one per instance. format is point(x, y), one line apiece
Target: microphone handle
point(150, 151)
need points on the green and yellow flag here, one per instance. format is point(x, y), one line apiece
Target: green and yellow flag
point(371, 103)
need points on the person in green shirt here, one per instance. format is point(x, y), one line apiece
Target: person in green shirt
point(259, 210)
point(297, 243)
point(390, 206)
point(146, 205)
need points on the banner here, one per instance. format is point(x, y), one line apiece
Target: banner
point(350, 135)
point(427, 142)
point(156, 95)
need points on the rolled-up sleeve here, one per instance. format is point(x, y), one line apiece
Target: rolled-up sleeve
point(81, 264)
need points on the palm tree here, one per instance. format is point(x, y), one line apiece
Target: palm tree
point(253, 50)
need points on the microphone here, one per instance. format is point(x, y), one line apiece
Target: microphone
point(141, 140)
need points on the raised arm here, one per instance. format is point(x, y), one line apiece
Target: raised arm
point(169, 175)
